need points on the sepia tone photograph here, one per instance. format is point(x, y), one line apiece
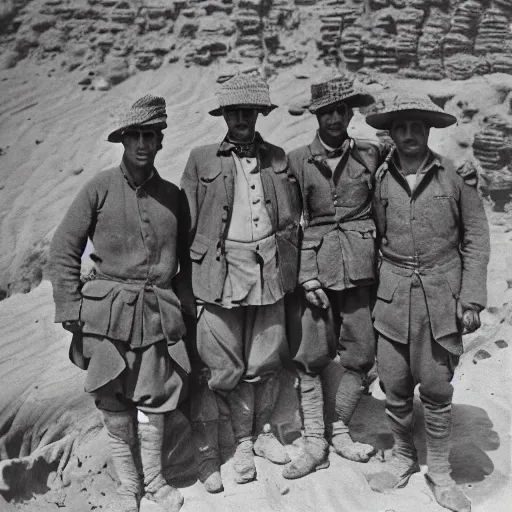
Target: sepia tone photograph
point(255, 255)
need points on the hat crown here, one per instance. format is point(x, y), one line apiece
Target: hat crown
point(339, 86)
point(244, 90)
point(407, 101)
point(148, 110)
point(395, 105)
point(149, 101)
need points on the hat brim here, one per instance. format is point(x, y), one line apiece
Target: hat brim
point(384, 120)
point(262, 109)
point(117, 134)
point(358, 99)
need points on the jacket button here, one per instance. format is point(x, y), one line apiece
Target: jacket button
point(384, 241)
point(253, 186)
point(335, 203)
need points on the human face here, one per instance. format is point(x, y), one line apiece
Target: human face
point(140, 147)
point(241, 123)
point(410, 136)
point(333, 123)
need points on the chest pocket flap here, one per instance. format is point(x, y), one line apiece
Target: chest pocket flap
point(210, 174)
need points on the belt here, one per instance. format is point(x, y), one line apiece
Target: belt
point(409, 262)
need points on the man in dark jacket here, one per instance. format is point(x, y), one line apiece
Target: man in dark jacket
point(123, 319)
point(434, 244)
point(245, 212)
point(337, 269)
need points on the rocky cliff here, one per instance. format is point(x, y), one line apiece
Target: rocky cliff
point(428, 39)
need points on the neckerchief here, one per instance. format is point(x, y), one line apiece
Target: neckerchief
point(242, 149)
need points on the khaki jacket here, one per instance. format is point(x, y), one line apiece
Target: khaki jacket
point(208, 182)
point(338, 247)
point(438, 233)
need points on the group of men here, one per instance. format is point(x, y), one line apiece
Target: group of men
point(261, 258)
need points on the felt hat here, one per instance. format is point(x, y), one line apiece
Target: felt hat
point(398, 106)
point(340, 89)
point(147, 111)
point(244, 91)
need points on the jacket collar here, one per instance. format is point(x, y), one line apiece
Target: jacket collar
point(226, 146)
point(126, 176)
point(318, 148)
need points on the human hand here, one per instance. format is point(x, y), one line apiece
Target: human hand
point(315, 295)
point(468, 318)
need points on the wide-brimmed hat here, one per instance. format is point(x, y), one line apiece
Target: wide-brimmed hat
point(244, 91)
point(398, 106)
point(147, 111)
point(340, 89)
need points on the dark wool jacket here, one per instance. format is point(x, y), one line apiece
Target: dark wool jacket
point(140, 237)
point(208, 181)
point(338, 247)
point(440, 234)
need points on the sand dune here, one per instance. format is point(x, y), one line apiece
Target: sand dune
point(53, 450)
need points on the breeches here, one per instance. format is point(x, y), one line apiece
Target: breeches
point(245, 342)
point(151, 381)
point(345, 327)
point(422, 361)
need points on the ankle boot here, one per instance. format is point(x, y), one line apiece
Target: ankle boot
point(155, 486)
point(241, 406)
point(121, 430)
point(404, 460)
point(314, 454)
point(348, 395)
point(266, 444)
point(438, 429)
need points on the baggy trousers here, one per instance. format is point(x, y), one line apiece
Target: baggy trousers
point(345, 327)
point(244, 342)
point(421, 361)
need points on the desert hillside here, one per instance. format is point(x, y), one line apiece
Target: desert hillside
point(67, 65)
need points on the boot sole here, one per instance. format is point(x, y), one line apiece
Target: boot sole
point(322, 465)
point(432, 486)
point(405, 479)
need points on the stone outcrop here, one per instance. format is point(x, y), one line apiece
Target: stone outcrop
point(428, 39)
point(492, 146)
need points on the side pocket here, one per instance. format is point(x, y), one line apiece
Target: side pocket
point(122, 314)
point(308, 260)
point(387, 287)
point(360, 255)
point(96, 306)
point(287, 261)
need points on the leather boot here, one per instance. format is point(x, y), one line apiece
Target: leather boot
point(348, 395)
point(438, 429)
point(155, 486)
point(314, 454)
point(266, 444)
point(122, 436)
point(404, 459)
point(204, 418)
point(241, 406)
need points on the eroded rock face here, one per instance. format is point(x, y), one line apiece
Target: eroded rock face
point(429, 39)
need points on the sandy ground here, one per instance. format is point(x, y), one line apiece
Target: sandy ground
point(53, 451)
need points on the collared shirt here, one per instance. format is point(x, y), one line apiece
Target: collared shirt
point(414, 179)
point(250, 220)
point(333, 162)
